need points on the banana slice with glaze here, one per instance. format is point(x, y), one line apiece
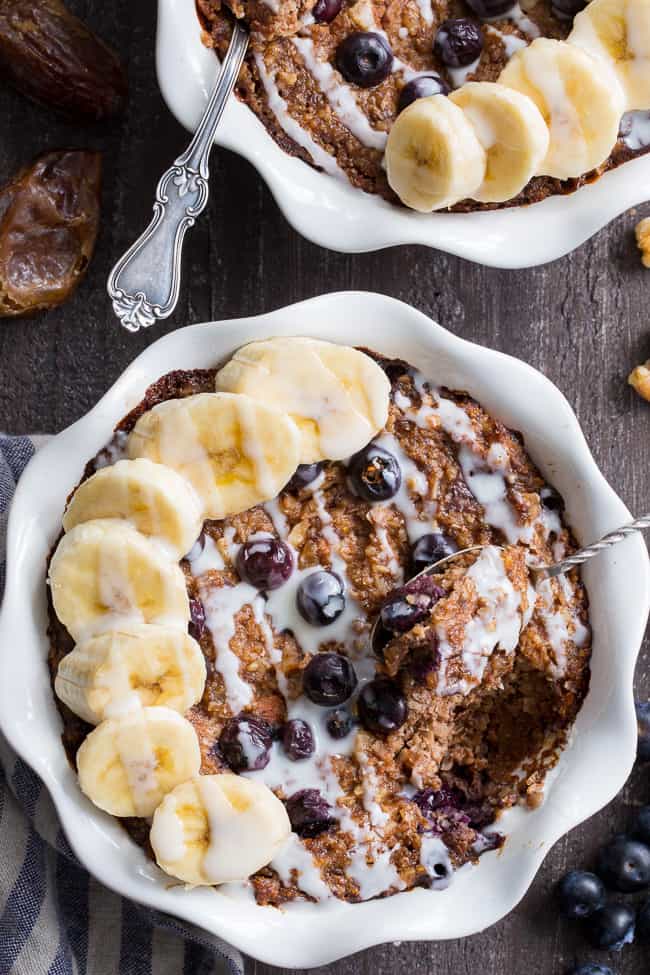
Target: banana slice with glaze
point(128, 764)
point(579, 97)
point(434, 157)
point(337, 396)
point(235, 451)
point(130, 667)
point(217, 829)
point(105, 574)
point(153, 498)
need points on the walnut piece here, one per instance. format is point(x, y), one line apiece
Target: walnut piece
point(639, 379)
point(642, 232)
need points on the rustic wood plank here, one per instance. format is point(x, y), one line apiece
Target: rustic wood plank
point(582, 321)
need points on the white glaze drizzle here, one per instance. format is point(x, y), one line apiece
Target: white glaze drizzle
point(497, 623)
point(340, 96)
point(459, 76)
point(511, 42)
point(205, 556)
point(289, 124)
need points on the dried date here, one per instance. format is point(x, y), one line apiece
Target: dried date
point(52, 57)
point(49, 217)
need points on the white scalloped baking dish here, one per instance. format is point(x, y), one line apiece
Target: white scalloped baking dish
point(333, 214)
point(592, 769)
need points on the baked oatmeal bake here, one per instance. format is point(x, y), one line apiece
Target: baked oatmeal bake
point(222, 563)
point(462, 104)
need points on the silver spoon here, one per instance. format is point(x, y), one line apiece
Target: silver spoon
point(144, 284)
point(538, 572)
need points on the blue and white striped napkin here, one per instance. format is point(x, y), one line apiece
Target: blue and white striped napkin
point(54, 918)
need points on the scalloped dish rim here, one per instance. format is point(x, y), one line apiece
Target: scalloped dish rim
point(605, 732)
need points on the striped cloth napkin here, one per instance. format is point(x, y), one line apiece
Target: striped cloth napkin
point(55, 919)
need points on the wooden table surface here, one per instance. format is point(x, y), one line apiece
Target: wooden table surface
point(583, 321)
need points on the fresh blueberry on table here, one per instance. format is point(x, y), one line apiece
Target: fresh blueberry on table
point(591, 968)
point(382, 706)
point(375, 474)
point(641, 825)
point(197, 618)
point(421, 87)
point(339, 723)
point(298, 739)
point(329, 679)
point(643, 924)
point(265, 563)
point(581, 894)
point(309, 813)
point(324, 11)
point(487, 9)
point(305, 474)
point(643, 724)
point(364, 59)
point(458, 42)
point(409, 604)
point(245, 743)
point(321, 598)
point(430, 549)
point(612, 927)
point(624, 864)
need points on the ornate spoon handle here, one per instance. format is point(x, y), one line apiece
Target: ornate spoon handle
point(612, 538)
point(145, 283)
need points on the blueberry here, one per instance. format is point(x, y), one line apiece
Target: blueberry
point(265, 562)
point(410, 604)
point(305, 474)
point(339, 723)
point(329, 679)
point(364, 58)
point(567, 9)
point(581, 894)
point(641, 825)
point(297, 739)
point(591, 969)
point(429, 801)
point(309, 813)
point(421, 87)
point(643, 723)
point(643, 924)
point(430, 549)
point(624, 864)
point(375, 474)
point(487, 9)
point(324, 11)
point(458, 42)
point(551, 499)
point(197, 619)
point(245, 743)
point(321, 598)
point(612, 927)
point(382, 706)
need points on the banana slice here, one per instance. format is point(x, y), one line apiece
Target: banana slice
point(337, 396)
point(154, 498)
point(217, 829)
point(134, 666)
point(579, 97)
point(105, 573)
point(513, 133)
point(433, 155)
point(618, 31)
point(128, 764)
point(235, 451)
